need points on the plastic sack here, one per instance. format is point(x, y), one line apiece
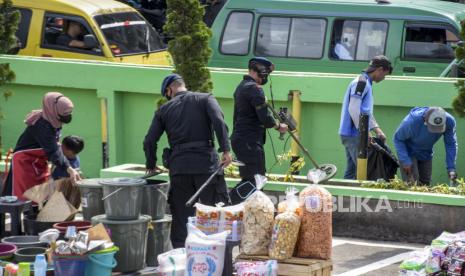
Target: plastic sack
point(291, 203)
point(257, 268)
point(207, 218)
point(258, 221)
point(211, 220)
point(172, 263)
point(315, 236)
point(205, 253)
point(416, 260)
point(285, 229)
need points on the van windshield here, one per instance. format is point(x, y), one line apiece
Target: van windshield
point(128, 33)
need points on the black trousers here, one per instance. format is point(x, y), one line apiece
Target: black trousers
point(182, 187)
point(253, 155)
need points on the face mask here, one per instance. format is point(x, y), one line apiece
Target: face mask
point(66, 119)
point(348, 38)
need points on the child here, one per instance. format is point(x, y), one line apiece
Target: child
point(71, 147)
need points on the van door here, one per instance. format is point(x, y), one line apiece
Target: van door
point(65, 36)
point(427, 48)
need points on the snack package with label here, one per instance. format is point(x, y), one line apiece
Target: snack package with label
point(416, 260)
point(205, 253)
point(207, 218)
point(315, 236)
point(258, 221)
point(257, 268)
point(172, 263)
point(285, 229)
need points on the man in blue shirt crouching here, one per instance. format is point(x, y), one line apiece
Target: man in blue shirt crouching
point(415, 138)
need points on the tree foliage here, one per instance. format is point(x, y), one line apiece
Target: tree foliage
point(459, 102)
point(189, 47)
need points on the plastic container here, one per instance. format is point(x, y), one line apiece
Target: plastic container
point(131, 238)
point(24, 269)
point(158, 240)
point(91, 197)
point(102, 262)
point(24, 241)
point(80, 226)
point(6, 251)
point(69, 265)
point(28, 254)
point(126, 201)
point(155, 198)
point(40, 265)
point(34, 227)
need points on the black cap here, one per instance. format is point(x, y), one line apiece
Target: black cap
point(379, 61)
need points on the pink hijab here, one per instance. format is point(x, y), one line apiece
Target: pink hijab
point(53, 104)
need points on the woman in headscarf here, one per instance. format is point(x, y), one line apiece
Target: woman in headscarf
point(39, 144)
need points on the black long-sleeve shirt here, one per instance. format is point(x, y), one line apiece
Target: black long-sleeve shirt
point(43, 135)
point(188, 117)
point(251, 114)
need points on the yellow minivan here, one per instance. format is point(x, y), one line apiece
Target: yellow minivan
point(88, 29)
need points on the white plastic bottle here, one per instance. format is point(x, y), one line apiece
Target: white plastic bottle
point(40, 265)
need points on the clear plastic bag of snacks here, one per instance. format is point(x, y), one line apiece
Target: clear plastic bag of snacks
point(315, 236)
point(286, 228)
point(258, 221)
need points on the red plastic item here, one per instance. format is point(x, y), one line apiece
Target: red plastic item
point(80, 225)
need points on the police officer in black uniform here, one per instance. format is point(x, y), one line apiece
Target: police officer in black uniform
point(189, 119)
point(251, 119)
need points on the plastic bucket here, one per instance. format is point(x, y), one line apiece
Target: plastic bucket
point(158, 240)
point(91, 197)
point(102, 262)
point(80, 226)
point(155, 198)
point(34, 227)
point(28, 254)
point(24, 241)
point(7, 251)
point(124, 199)
point(69, 265)
point(131, 238)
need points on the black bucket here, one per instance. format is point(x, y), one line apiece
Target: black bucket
point(33, 227)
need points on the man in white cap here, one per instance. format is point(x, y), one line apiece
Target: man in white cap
point(415, 138)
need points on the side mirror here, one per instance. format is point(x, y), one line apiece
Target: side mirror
point(90, 41)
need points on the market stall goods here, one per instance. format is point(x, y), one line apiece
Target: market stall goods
point(257, 224)
point(315, 236)
point(286, 228)
point(205, 253)
point(247, 268)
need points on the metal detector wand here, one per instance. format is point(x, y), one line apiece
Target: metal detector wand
point(290, 131)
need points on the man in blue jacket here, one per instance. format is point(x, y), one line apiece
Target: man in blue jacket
point(415, 138)
point(359, 99)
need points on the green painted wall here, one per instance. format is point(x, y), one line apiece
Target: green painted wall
point(132, 92)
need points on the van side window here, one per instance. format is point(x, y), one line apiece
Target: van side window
point(358, 40)
point(23, 26)
point(68, 34)
point(236, 35)
point(290, 37)
point(429, 42)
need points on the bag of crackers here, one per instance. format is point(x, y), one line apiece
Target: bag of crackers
point(286, 227)
point(315, 236)
point(215, 219)
point(258, 221)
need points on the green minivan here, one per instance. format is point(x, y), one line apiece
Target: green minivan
point(339, 36)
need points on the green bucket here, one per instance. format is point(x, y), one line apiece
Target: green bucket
point(102, 262)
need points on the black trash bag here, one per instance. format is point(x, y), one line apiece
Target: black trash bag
point(382, 163)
